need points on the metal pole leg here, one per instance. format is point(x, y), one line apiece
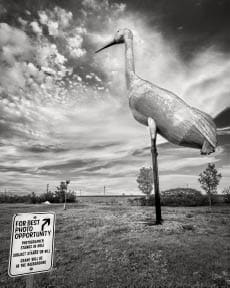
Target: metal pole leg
point(153, 134)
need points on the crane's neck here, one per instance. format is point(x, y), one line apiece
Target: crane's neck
point(129, 61)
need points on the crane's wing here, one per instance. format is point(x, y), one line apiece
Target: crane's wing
point(173, 116)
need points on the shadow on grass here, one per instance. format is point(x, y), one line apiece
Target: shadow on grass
point(150, 222)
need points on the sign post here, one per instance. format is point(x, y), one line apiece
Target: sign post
point(32, 245)
point(30, 281)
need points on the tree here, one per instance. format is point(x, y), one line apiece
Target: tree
point(209, 180)
point(33, 198)
point(47, 196)
point(60, 192)
point(145, 181)
point(226, 193)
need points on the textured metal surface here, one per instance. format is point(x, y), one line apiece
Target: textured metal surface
point(176, 121)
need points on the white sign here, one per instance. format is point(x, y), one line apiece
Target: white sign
point(32, 243)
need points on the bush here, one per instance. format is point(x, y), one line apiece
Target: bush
point(142, 201)
point(13, 198)
point(183, 197)
point(56, 198)
point(135, 202)
point(34, 198)
point(148, 201)
point(48, 196)
point(176, 197)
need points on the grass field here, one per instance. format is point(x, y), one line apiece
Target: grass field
point(112, 244)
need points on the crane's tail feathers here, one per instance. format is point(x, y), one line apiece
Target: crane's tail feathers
point(204, 124)
point(207, 148)
point(223, 131)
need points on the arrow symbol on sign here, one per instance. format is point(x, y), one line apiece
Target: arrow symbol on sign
point(46, 221)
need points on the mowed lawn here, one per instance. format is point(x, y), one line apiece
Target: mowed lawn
point(112, 244)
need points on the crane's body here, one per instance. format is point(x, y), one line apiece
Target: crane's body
point(175, 120)
point(164, 113)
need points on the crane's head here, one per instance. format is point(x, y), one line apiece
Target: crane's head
point(120, 37)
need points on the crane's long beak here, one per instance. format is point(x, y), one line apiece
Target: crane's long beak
point(106, 46)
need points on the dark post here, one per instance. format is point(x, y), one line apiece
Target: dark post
point(66, 190)
point(156, 181)
point(65, 199)
point(30, 281)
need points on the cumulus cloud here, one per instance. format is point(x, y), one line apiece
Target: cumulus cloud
point(57, 20)
point(14, 44)
point(36, 28)
point(64, 111)
point(74, 46)
point(103, 6)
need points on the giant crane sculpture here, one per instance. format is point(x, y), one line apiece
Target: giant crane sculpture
point(164, 113)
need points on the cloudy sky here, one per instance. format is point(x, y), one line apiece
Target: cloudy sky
point(64, 112)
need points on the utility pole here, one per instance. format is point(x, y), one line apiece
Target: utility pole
point(104, 190)
point(47, 188)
